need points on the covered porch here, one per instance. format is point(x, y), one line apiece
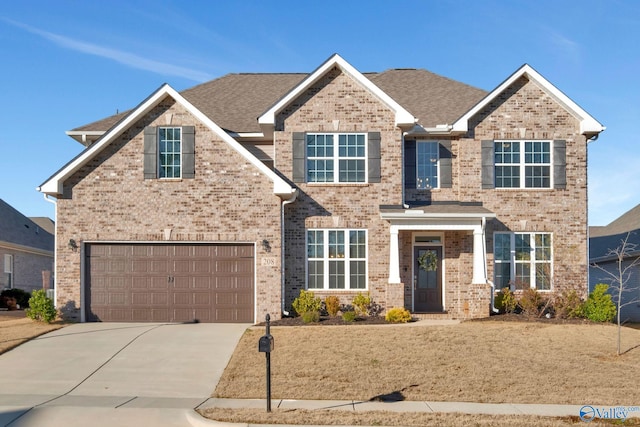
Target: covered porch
point(437, 259)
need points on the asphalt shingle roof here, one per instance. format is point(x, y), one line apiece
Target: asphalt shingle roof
point(235, 101)
point(18, 229)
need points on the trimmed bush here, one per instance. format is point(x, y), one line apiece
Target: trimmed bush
point(332, 304)
point(21, 296)
point(599, 307)
point(361, 303)
point(508, 299)
point(41, 307)
point(311, 317)
point(398, 315)
point(531, 302)
point(349, 316)
point(568, 305)
point(306, 302)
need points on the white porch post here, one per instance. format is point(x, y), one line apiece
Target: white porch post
point(394, 256)
point(478, 257)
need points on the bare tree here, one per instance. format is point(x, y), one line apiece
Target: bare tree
point(627, 258)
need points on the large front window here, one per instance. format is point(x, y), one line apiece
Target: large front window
point(331, 162)
point(523, 164)
point(336, 259)
point(169, 152)
point(427, 164)
point(522, 260)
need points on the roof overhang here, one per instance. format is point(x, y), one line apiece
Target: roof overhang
point(437, 217)
point(403, 118)
point(85, 137)
point(588, 125)
point(54, 185)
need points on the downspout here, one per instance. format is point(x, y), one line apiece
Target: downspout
point(282, 251)
point(55, 248)
point(484, 254)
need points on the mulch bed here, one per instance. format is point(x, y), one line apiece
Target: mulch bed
point(513, 317)
point(329, 320)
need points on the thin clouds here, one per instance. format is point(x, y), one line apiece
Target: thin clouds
point(122, 57)
point(566, 46)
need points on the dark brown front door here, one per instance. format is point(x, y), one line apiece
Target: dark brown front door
point(427, 287)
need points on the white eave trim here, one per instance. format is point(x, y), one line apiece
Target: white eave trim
point(83, 135)
point(402, 117)
point(54, 185)
point(411, 214)
point(588, 125)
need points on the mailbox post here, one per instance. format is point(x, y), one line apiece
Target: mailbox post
point(265, 345)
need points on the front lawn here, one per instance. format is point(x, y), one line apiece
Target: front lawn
point(17, 330)
point(473, 361)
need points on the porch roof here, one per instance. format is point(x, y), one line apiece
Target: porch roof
point(437, 211)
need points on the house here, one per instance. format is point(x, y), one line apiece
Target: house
point(220, 203)
point(26, 252)
point(602, 242)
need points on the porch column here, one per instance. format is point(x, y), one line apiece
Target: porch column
point(394, 256)
point(479, 277)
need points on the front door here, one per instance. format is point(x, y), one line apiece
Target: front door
point(427, 283)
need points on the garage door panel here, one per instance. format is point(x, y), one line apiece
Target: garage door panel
point(169, 282)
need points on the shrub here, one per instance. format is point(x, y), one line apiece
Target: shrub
point(306, 302)
point(21, 296)
point(398, 315)
point(531, 302)
point(311, 316)
point(332, 304)
point(568, 305)
point(599, 307)
point(41, 307)
point(509, 301)
point(361, 303)
point(349, 316)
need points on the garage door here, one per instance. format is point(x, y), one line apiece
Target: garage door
point(169, 283)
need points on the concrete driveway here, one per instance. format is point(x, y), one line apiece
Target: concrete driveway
point(115, 374)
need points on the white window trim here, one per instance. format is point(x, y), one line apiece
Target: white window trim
point(326, 259)
point(532, 261)
point(522, 165)
point(336, 158)
point(8, 269)
point(159, 153)
point(418, 142)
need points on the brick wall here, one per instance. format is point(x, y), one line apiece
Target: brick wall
point(228, 201)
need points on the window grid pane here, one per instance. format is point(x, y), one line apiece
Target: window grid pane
point(530, 255)
point(530, 170)
point(427, 164)
point(169, 152)
point(330, 265)
point(347, 163)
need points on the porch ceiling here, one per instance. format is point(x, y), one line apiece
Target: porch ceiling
point(436, 213)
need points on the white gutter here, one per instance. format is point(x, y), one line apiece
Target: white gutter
point(282, 251)
point(55, 248)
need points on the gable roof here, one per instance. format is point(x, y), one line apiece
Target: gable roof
point(588, 125)
point(268, 118)
point(628, 221)
point(53, 186)
point(600, 247)
point(18, 231)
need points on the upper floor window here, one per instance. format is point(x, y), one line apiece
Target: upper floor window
point(169, 152)
point(336, 259)
point(522, 164)
point(427, 155)
point(522, 259)
point(336, 157)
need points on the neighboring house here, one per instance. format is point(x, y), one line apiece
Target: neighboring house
point(26, 252)
point(602, 242)
point(222, 202)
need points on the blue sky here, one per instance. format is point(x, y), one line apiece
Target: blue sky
point(69, 63)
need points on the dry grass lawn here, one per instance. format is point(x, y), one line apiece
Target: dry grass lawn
point(17, 330)
point(473, 361)
point(384, 418)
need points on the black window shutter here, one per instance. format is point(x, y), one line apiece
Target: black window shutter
point(373, 149)
point(446, 180)
point(150, 152)
point(488, 164)
point(299, 162)
point(560, 164)
point(410, 164)
point(188, 152)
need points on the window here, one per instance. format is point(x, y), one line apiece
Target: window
point(427, 164)
point(522, 259)
point(336, 259)
point(169, 152)
point(522, 164)
point(8, 270)
point(328, 163)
